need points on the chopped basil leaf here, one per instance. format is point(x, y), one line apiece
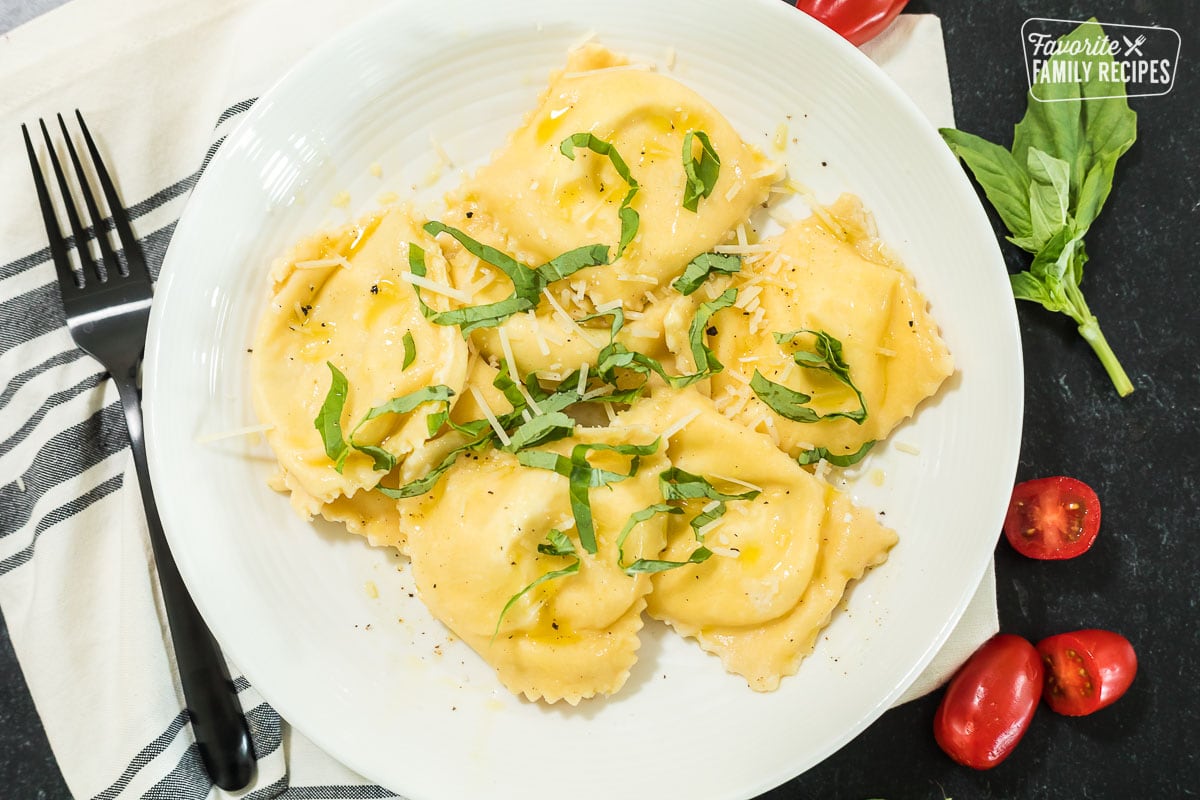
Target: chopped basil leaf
point(410, 350)
point(699, 555)
point(524, 279)
point(678, 484)
point(702, 172)
point(706, 362)
point(429, 480)
point(570, 262)
point(384, 461)
point(329, 420)
point(827, 357)
point(582, 476)
point(635, 519)
point(469, 318)
point(848, 460)
point(408, 402)
point(703, 265)
point(540, 430)
point(628, 216)
point(557, 543)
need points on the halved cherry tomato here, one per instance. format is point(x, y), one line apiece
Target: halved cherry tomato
point(857, 20)
point(989, 702)
point(1086, 670)
point(1052, 518)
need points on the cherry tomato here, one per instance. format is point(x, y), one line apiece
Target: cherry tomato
point(1052, 518)
point(1086, 670)
point(857, 20)
point(989, 702)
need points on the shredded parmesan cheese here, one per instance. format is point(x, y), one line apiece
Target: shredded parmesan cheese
point(536, 326)
point(434, 286)
point(336, 260)
point(506, 347)
point(491, 416)
point(738, 482)
point(571, 326)
point(905, 447)
point(639, 277)
point(20, 484)
point(583, 376)
point(743, 248)
point(680, 424)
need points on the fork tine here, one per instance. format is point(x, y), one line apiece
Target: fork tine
point(109, 258)
point(67, 277)
point(81, 245)
point(133, 250)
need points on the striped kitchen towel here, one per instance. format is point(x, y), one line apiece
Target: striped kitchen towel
point(162, 83)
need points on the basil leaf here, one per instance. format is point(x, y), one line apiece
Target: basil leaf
point(328, 421)
point(384, 461)
point(628, 216)
point(826, 357)
point(787, 403)
point(541, 429)
point(699, 555)
point(527, 285)
point(635, 519)
point(706, 361)
point(557, 544)
point(429, 480)
point(581, 477)
point(408, 402)
point(549, 576)
point(702, 172)
point(570, 262)
point(703, 265)
point(410, 350)
point(677, 484)
point(848, 460)
point(1049, 195)
point(1002, 179)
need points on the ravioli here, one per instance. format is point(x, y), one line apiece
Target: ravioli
point(494, 541)
point(533, 202)
point(356, 316)
point(781, 560)
point(568, 638)
point(827, 273)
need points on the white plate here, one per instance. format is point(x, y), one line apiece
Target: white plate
point(375, 681)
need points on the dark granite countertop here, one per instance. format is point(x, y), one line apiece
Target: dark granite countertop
point(1141, 454)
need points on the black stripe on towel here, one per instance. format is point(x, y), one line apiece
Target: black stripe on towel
point(65, 511)
point(145, 756)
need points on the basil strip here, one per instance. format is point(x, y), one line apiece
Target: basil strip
point(635, 519)
point(678, 484)
point(410, 350)
point(706, 362)
point(699, 555)
point(429, 480)
point(827, 357)
point(540, 430)
point(582, 476)
point(559, 545)
point(702, 172)
point(703, 265)
point(628, 216)
point(524, 296)
point(848, 460)
point(570, 262)
point(385, 461)
point(328, 421)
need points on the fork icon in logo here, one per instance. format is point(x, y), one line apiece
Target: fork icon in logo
point(1135, 46)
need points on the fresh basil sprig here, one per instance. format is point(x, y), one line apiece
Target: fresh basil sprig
point(628, 216)
point(826, 356)
point(1052, 185)
point(702, 172)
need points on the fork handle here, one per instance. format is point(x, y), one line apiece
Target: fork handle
point(218, 724)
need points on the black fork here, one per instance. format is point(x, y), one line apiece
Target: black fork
point(107, 304)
